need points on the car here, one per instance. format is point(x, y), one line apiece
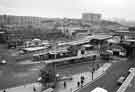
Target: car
point(3, 62)
point(39, 79)
point(121, 80)
point(49, 90)
point(62, 78)
point(131, 69)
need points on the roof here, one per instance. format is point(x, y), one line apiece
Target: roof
point(34, 48)
point(113, 41)
point(99, 89)
point(101, 37)
point(87, 45)
point(130, 40)
point(2, 32)
point(43, 53)
point(58, 51)
point(122, 31)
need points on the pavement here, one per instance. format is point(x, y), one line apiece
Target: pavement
point(129, 83)
point(109, 80)
point(71, 84)
point(24, 88)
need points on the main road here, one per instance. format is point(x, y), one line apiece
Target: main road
point(19, 74)
point(109, 80)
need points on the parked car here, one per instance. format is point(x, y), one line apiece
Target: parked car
point(66, 78)
point(121, 80)
point(3, 62)
point(131, 69)
point(61, 78)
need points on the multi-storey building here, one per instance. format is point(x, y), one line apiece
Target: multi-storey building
point(91, 17)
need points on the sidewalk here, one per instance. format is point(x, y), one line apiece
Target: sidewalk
point(25, 88)
point(71, 84)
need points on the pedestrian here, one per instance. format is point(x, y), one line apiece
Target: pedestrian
point(64, 84)
point(78, 84)
point(4, 90)
point(82, 81)
point(81, 78)
point(34, 89)
point(70, 89)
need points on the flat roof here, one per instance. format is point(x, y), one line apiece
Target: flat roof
point(87, 45)
point(101, 37)
point(113, 41)
point(34, 48)
point(130, 40)
point(122, 31)
point(2, 32)
point(37, 54)
point(58, 51)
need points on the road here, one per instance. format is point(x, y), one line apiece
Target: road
point(109, 80)
point(15, 74)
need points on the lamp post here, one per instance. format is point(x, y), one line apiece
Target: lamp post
point(93, 68)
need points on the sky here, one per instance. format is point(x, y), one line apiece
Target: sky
point(124, 9)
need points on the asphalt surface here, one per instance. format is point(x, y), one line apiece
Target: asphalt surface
point(14, 74)
point(109, 80)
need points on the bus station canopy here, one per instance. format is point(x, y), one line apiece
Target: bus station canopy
point(87, 45)
point(101, 37)
point(58, 51)
point(30, 49)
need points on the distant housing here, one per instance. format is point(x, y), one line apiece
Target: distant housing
point(91, 17)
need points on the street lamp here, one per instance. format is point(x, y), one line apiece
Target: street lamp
point(93, 68)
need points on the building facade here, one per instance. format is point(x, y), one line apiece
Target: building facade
point(91, 17)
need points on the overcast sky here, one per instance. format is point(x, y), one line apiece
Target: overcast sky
point(124, 9)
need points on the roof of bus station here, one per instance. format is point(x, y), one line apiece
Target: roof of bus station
point(58, 51)
point(34, 48)
point(87, 39)
point(87, 45)
point(130, 40)
point(101, 37)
